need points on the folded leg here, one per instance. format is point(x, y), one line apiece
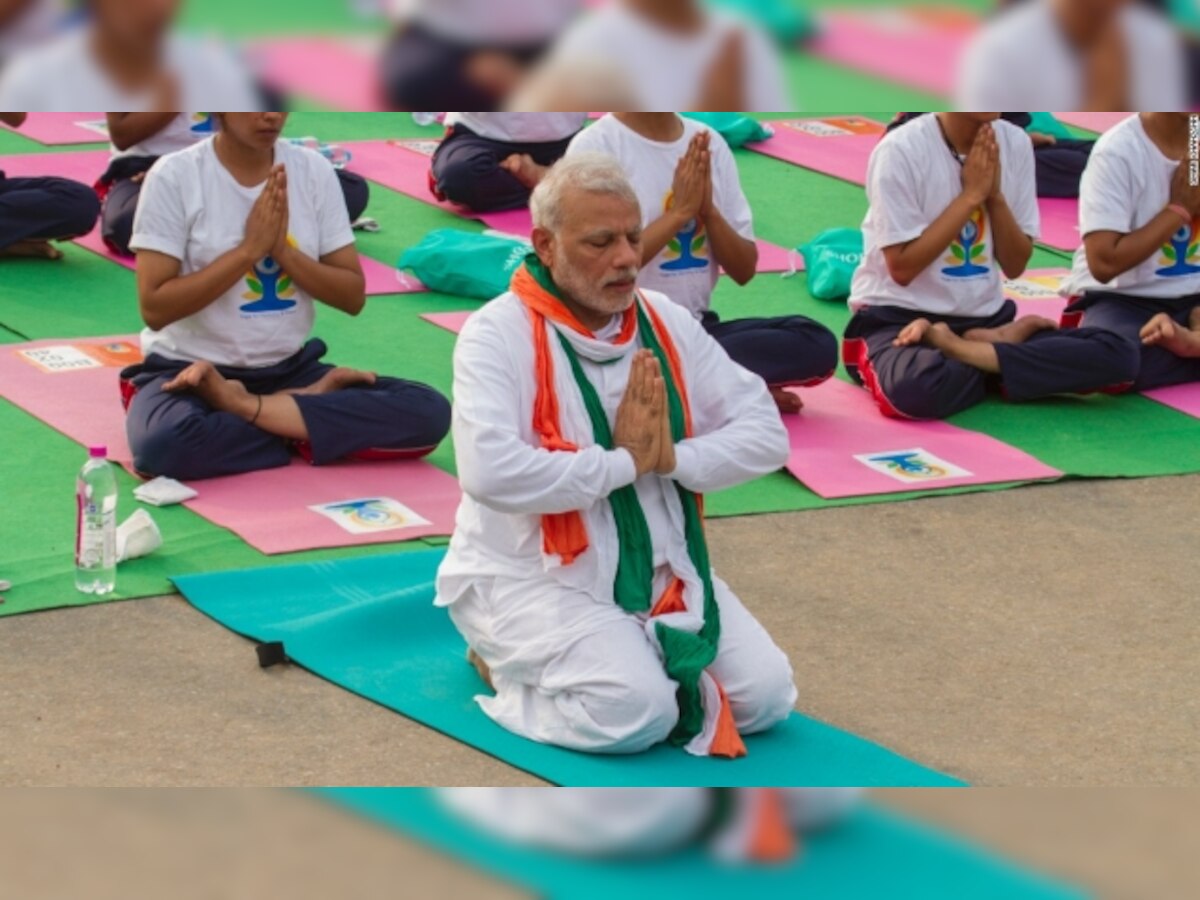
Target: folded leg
point(43, 209)
point(788, 350)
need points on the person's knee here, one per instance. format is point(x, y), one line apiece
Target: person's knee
point(168, 450)
point(770, 697)
point(357, 193)
point(84, 207)
point(117, 227)
point(910, 397)
point(822, 349)
point(429, 413)
point(476, 181)
point(1123, 354)
point(629, 717)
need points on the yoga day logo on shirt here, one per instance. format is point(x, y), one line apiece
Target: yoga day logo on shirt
point(202, 123)
point(270, 289)
point(369, 515)
point(912, 466)
point(688, 250)
point(1180, 254)
point(969, 248)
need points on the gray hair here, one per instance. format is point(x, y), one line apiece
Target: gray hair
point(596, 173)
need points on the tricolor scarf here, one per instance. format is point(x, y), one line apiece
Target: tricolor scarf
point(686, 654)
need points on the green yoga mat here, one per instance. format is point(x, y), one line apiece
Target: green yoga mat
point(874, 853)
point(370, 626)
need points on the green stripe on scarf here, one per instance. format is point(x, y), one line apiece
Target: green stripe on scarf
point(685, 655)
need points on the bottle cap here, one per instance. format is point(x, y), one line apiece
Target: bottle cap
point(98, 452)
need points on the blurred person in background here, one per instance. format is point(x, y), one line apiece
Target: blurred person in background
point(140, 138)
point(36, 211)
point(1138, 271)
point(126, 56)
point(1101, 55)
point(736, 824)
point(26, 23)
point(467, 52)
point(659, 54)
point(696, 222)
point(492, 161)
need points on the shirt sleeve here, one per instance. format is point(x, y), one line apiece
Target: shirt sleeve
point(728, 194)
point(896, 212)
point(739, 435)
point(160, 223)
point(1106, 192)
point(1019, 181)
point(497, 464)
point(332, 218)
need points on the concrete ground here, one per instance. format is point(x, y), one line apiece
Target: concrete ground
point(1043, 636)
point(1123, 844)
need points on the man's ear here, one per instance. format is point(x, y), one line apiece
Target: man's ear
point(543, 245)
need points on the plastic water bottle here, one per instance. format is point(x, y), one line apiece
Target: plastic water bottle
point(96, 525)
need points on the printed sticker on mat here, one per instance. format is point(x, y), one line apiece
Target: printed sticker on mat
point(100, 126)
point(1033, 287)
point(368, 515)
point(424, 147)
point(912, 466)
point(840, 127)
point(74, 357)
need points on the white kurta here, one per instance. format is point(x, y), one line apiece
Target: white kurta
point(570, 667)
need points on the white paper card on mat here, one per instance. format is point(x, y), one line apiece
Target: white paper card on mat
point(368, 515)
point(100, 126)
point(63, 358)
point(914, 466)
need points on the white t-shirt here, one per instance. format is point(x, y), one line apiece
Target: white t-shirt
point(1127, 183)
point(192, 209)
point(181, 132)
point(63, 76)
point(1022, 60)
point(911, 179)
point(509, 22)
point(36, 23)
point(520, 128)
point(661, 70)
point(684, 270)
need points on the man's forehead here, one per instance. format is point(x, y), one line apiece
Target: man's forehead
point(589, 210)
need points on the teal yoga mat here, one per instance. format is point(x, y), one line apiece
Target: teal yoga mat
point(873, 854)
point(369, 625)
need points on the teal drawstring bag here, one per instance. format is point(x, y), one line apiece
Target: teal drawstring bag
point(465, 263)
point(830, 260)
point(737, 129)
point(1045, 123)
point(784, 20)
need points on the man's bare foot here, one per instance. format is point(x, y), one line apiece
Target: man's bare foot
point(1017, 332)
point(223, 394)
point(32, 250)
point(1163, 331)
point(913, 333)
point(789, 402)
point(978, 354)
point(481, 667)
point(335, 380)
point(523, 168)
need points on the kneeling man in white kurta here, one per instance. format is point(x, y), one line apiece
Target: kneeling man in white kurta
point(589, 418)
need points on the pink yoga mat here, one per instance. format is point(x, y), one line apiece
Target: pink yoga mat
point(54, 129)
point(268, 509)
point(827, 145)
point(451, 321)
point(841, 422)
point(397, 165)
point(337, 74)
point(846, 156)
point(908, 47)
point(1182, 397)
point(1098, 122)
point(87, 166)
